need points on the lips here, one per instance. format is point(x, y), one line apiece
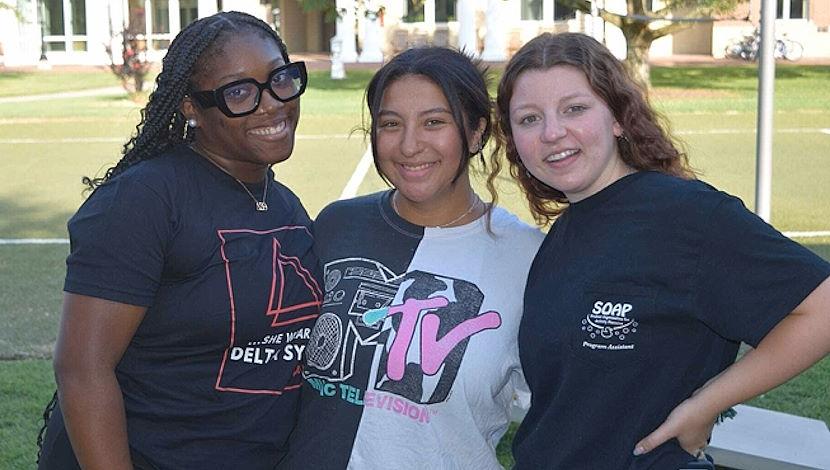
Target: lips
point(418, 167)
point(560, 156)
point(270, 131)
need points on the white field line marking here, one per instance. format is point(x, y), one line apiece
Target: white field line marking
point(817, 234)
point(109, 91)
point(62, 120)
point(88, 140)
point(92, 140)
point(65, 241)
point(750, 130)
point(34, 241)
point(350, 190)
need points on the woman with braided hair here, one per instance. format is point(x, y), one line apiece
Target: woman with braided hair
point(191, 283)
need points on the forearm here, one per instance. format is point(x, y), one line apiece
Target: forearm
point(93, 409)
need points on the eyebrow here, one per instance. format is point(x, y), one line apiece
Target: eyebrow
point(531, 103)
point(441, 110)
point(276, 63)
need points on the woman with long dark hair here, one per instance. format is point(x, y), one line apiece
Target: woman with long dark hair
point(413, 362)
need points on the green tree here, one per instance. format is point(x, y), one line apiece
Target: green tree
point(328, 7)
point(641, 24)
point(13, 8)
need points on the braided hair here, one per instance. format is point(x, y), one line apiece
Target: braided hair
point(162, 124)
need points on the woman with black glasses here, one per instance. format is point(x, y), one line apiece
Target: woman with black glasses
point(191, 284)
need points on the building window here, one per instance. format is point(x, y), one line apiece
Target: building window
point(545, 10)
point(138, 20)
point(188, 12)
point(531, 10)
point(563, 12)
point(444, 11)
point(414, 11)
point(161, 24)
point(64, 25)
point(791, 9)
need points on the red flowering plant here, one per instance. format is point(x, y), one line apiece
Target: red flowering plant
point(134, 66)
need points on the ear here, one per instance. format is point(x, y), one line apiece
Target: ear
point(188, 108)
point(617, 129)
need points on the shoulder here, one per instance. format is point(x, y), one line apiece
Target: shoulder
point(687, 197)
point(505, 224)
point(149, 187)
point(163, 173)
point(292, 202)
point(359, 206)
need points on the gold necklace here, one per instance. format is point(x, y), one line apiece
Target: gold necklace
point(260, 206)
point(448, 224)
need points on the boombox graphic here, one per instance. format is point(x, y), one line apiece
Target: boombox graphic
point(422, 323)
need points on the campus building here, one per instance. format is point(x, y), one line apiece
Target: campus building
point(78, 32)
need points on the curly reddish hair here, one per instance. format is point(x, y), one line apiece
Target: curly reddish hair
point(645, 144)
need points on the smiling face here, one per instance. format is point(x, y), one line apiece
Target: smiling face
point(245, 146)
point(564, 133)
point(419, 148)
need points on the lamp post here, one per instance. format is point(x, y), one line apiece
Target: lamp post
point(43, 62)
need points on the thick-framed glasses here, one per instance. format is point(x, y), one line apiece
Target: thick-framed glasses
point(242, 97)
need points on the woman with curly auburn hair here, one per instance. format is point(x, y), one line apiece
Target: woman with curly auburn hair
point(648, 280)
point(645, 145)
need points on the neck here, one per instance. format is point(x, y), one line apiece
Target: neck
point(243, 171)
point(459, 209)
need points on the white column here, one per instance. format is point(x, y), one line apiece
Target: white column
point(345, 30)
point(148, 23)
point(467, 35)
point(429, 15)
point(547, 11)
point(495, 47)
point(372, 35)
point(174, 13)
point(206, 8)
point(598, 27)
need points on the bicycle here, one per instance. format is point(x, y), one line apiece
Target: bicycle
point(748, 47)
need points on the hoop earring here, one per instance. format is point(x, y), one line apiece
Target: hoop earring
point(192, 123)
point(522, 166)
point(622, 139)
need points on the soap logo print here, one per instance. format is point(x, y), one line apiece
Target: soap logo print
point(422, 322)
point(610, 319)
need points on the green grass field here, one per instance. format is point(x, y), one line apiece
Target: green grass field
point(47, 146)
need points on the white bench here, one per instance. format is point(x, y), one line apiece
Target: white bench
point(758, 439)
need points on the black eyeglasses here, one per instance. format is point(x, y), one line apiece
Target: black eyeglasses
point(240, 98)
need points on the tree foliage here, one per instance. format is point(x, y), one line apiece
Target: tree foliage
point(14, 9)
point(641, 24)
point(327, 7)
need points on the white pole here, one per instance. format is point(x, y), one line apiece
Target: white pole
point(766, 88)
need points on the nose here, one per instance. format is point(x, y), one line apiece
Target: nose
point(553, 130)
point(267, 103)
point(410, 141)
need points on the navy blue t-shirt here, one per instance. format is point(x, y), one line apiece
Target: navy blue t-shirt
point(211, 377)
point(639, 295)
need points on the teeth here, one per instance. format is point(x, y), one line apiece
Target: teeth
point(560, 156)
point(416, 167)
point(269, 130)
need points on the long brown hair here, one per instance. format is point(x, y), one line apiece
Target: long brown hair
point(644, 145)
